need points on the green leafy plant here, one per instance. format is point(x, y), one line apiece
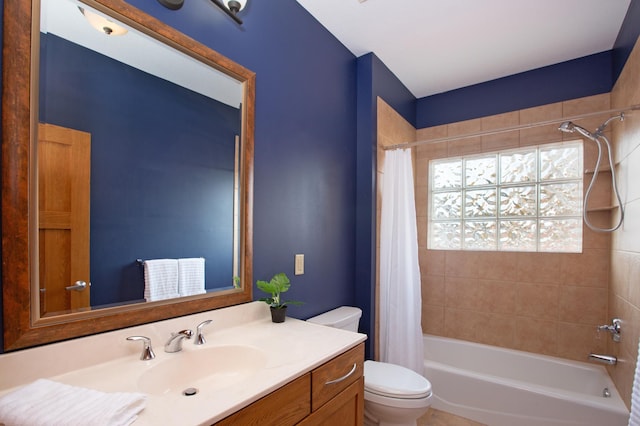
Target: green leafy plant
point(279, 284)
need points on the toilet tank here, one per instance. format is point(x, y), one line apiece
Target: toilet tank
point(344, 317)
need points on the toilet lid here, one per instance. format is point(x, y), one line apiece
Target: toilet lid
point(394, 381)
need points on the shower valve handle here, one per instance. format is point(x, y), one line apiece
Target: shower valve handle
point(614, 328)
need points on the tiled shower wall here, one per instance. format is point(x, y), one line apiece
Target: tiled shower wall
point(624, 293)
point(540, 302)
point(548, 303)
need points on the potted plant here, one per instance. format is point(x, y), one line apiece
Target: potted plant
point(278, 285)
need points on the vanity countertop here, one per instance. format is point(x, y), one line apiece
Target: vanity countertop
point(109, 363)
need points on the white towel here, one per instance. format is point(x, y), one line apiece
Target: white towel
point(634, 418)
point(48, 403)
point(160, 279)
point(191, 276)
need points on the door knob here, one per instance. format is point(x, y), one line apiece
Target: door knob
point(77, 286)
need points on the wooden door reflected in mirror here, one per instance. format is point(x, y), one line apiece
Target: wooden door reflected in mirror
point(64, 178)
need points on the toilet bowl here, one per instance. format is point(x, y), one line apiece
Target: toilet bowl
point(393, 395)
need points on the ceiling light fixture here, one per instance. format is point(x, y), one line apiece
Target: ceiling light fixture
point(102, 24)
point(230, 7)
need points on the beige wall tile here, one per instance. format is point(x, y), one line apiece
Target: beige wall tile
point(535, 335)
point(540, 134)
point(501, 266)
point(433, 319)
point(429, 133)
point(540, 268)
point(463, 128)
point(496, 330)
point(590, 268)
point(586, 105)
point(597, 240)
point(501, 140)
point(432, 262)
point(461, 263)
point(467, 146)
point(433, 289)
point(461, 292)
point(497, 297)
point(461, 323)
point(538, 301)
point(577, 341)
point(583, 305)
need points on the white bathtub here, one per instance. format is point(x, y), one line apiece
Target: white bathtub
point(503, 387)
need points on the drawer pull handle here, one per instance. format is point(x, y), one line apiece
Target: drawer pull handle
point(339, 379)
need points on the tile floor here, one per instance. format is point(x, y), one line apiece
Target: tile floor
point(440, 418)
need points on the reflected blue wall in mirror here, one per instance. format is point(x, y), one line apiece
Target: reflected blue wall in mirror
point(162, 167)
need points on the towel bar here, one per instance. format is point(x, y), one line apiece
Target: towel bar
point(141, 262)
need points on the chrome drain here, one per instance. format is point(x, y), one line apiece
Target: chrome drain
point(190, 391)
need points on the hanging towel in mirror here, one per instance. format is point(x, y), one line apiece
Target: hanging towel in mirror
point(160, 279)
point(191, 276)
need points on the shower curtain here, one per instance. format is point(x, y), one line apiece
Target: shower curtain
point(400, 295)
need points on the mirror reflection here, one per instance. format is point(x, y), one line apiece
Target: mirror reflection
point(138, 157)
point(139, 162)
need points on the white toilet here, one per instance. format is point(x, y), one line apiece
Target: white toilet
point(393, 395)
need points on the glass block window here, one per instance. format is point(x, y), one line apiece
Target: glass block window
point(526, 199)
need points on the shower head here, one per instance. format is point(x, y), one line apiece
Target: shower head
point(569, 127)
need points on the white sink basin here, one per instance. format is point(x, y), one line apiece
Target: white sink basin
point(203, 368)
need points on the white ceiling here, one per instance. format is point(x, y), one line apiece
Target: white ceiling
point(64, 19)
point(434, 46)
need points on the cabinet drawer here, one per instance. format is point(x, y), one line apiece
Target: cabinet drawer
point(347, 408)
point(286, 406)
point(336, 375)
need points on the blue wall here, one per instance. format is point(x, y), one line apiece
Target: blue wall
point(305, 135)
point(586, 76)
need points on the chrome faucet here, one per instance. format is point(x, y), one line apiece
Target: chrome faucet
point(614, 329)
point(199, 340)
point(174, 344)
point(147, 350)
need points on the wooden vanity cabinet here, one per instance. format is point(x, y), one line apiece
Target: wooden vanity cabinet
point(286, 406)
point(330, 394)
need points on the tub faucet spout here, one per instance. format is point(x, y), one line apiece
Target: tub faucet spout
point(606, 359)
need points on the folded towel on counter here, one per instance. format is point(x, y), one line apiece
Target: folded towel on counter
point(48, 403)
point(160, 279)
point(634, 418)
point(191, 276)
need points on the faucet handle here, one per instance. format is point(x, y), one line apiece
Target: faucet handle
point(199, 340)
point(147, 350)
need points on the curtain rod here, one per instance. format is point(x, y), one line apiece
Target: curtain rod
point(510, 129)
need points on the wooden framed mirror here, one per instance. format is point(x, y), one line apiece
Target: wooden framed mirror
point(26, 323)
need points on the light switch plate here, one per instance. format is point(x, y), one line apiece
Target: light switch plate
point(299, 267)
